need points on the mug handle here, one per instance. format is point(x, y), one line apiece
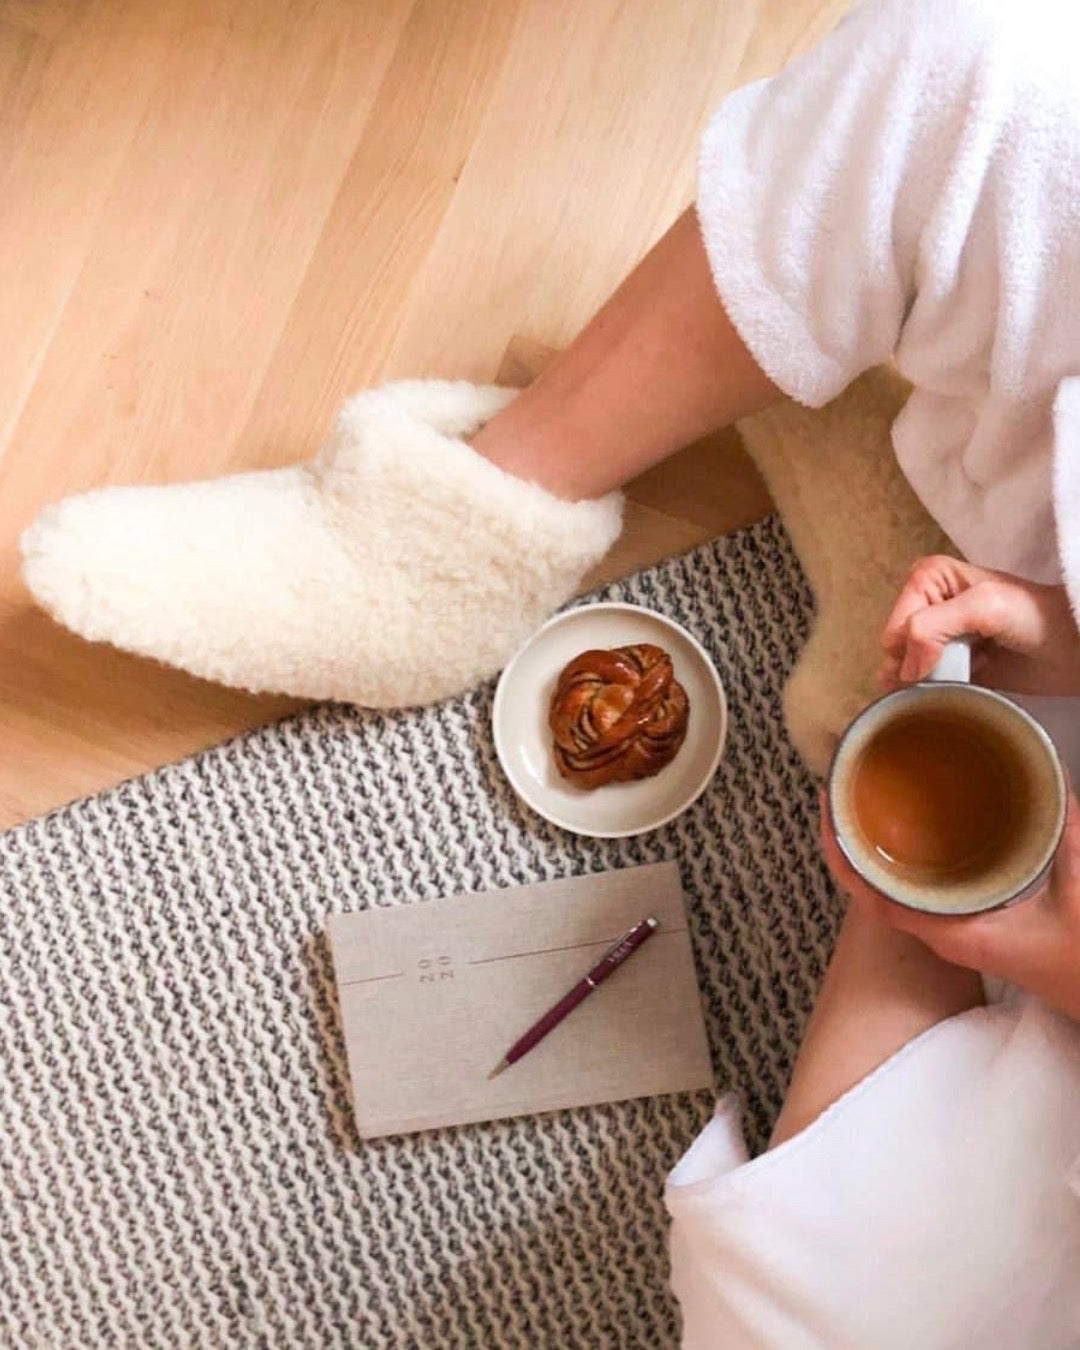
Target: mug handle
point(955, 663)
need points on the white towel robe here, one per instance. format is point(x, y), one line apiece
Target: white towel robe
point(910, 190)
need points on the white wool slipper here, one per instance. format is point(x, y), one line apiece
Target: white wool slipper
point(397, 568)
point(857, 527)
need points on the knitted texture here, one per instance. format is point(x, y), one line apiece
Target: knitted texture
point(179, 1165)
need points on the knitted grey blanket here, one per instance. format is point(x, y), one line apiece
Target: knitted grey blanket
point(178, 1165)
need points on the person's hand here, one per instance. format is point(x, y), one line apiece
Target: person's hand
point(1030, 642)
point(1034, 944)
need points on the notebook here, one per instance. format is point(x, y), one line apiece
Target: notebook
point(433, 995)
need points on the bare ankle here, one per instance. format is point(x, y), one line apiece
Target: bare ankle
point(537, 458)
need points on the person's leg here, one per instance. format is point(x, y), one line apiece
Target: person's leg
point(883, 988)
point(324, 568)
point(658, 367)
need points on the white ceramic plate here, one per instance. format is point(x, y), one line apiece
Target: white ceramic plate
point(523, 740)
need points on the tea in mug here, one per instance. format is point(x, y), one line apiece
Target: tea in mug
point(940, 795)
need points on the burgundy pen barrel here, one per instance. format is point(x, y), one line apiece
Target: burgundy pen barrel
point(549, 1021)
point(611, 960)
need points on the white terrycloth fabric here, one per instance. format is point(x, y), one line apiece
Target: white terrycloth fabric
point(397, 568)
point(936, 1205)
point(911, 189)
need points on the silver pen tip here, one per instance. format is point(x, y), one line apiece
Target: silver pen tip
point(502, 1064)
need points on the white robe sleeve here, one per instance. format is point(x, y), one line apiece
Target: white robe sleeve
point(1067, 488)
point(814, 187)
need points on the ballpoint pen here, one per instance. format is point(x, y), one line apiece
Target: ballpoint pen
point(611, 960)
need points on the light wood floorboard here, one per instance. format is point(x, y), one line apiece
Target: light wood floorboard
point(219, 217)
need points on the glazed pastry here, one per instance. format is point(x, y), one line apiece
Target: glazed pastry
point(617, 715)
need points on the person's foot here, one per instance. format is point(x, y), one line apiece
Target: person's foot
point(396, 568)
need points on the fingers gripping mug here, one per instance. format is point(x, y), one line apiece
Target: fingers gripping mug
point(947, 797)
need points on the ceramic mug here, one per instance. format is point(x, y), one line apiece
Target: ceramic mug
point(1033, 812)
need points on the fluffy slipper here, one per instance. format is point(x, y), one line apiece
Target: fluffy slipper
point(398, 567)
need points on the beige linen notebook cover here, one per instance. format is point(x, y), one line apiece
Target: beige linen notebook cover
point(434, 994)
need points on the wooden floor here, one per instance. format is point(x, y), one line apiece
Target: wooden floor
point(218, 217)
